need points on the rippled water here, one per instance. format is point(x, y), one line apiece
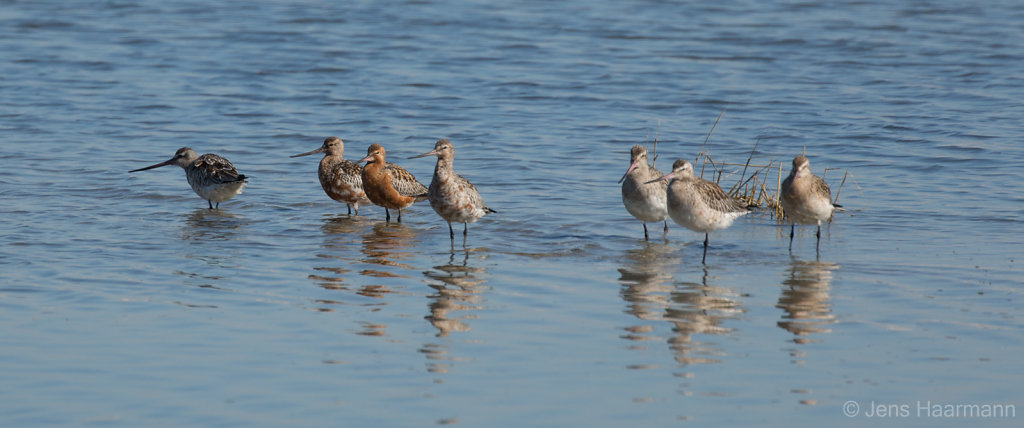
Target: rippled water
point(124, 301)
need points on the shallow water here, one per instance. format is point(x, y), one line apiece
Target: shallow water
point(124, 301)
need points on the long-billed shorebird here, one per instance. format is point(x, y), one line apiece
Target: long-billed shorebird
point(389, 185)
point(341, 178)
point(646, 202)
point(806, 199)
point(698, 204)
point(453, 197)
point(212, 177)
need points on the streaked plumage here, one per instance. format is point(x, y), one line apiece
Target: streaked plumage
point(698, 204)
point(341, 179)
point(806, 199)
point(453, 197)
point(646, 202)
point(212, 177)
point(389, 186)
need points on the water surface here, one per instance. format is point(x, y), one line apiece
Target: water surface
point(124, 301)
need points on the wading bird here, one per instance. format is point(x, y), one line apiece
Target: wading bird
point(212, 177)
point(453, 197)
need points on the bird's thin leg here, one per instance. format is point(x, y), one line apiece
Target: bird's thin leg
point(704, 259)
point(387, 215)
point(792, 227)
point(817, 244)
point(666, 226)
point(451, 232)
point(465, 230)
point(211, 204)
point(349, 206)
point(645, 231)
point(399, 215)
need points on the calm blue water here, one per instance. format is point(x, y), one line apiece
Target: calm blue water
point(125, 302)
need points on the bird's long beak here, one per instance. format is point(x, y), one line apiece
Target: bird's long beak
point(366, 159)
point(320, 150)
point(164, 163)
point(668, 176)
point(632, 166)
point(430, 153)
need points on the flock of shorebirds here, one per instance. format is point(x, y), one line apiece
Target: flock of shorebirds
point(650, 196)
point(380, 182)
point(702, 206)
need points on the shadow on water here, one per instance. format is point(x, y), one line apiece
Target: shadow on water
point(805, 299)
point(458, 287)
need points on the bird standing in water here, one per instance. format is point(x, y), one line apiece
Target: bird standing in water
point(389, 186)
point(646, 202)
point(453, 197)
point(806, 199)
point(212, 177)
point(698, 204)
point(341, 178)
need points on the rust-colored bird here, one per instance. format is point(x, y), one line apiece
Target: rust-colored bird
point(389, 186)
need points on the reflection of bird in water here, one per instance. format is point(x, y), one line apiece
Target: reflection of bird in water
point(647, 282)
point(699, 309)
point(386, 245)
point(340, 236)
point(458, 290)
point(206, 225)
point(805, 299)
point(211, 235)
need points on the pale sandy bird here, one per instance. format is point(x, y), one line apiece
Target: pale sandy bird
point(806, 199)
point(389, 186)
point(453, 197)
point(341, 178)
point(646, 202)
point(212, 177)
point(698, 204)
